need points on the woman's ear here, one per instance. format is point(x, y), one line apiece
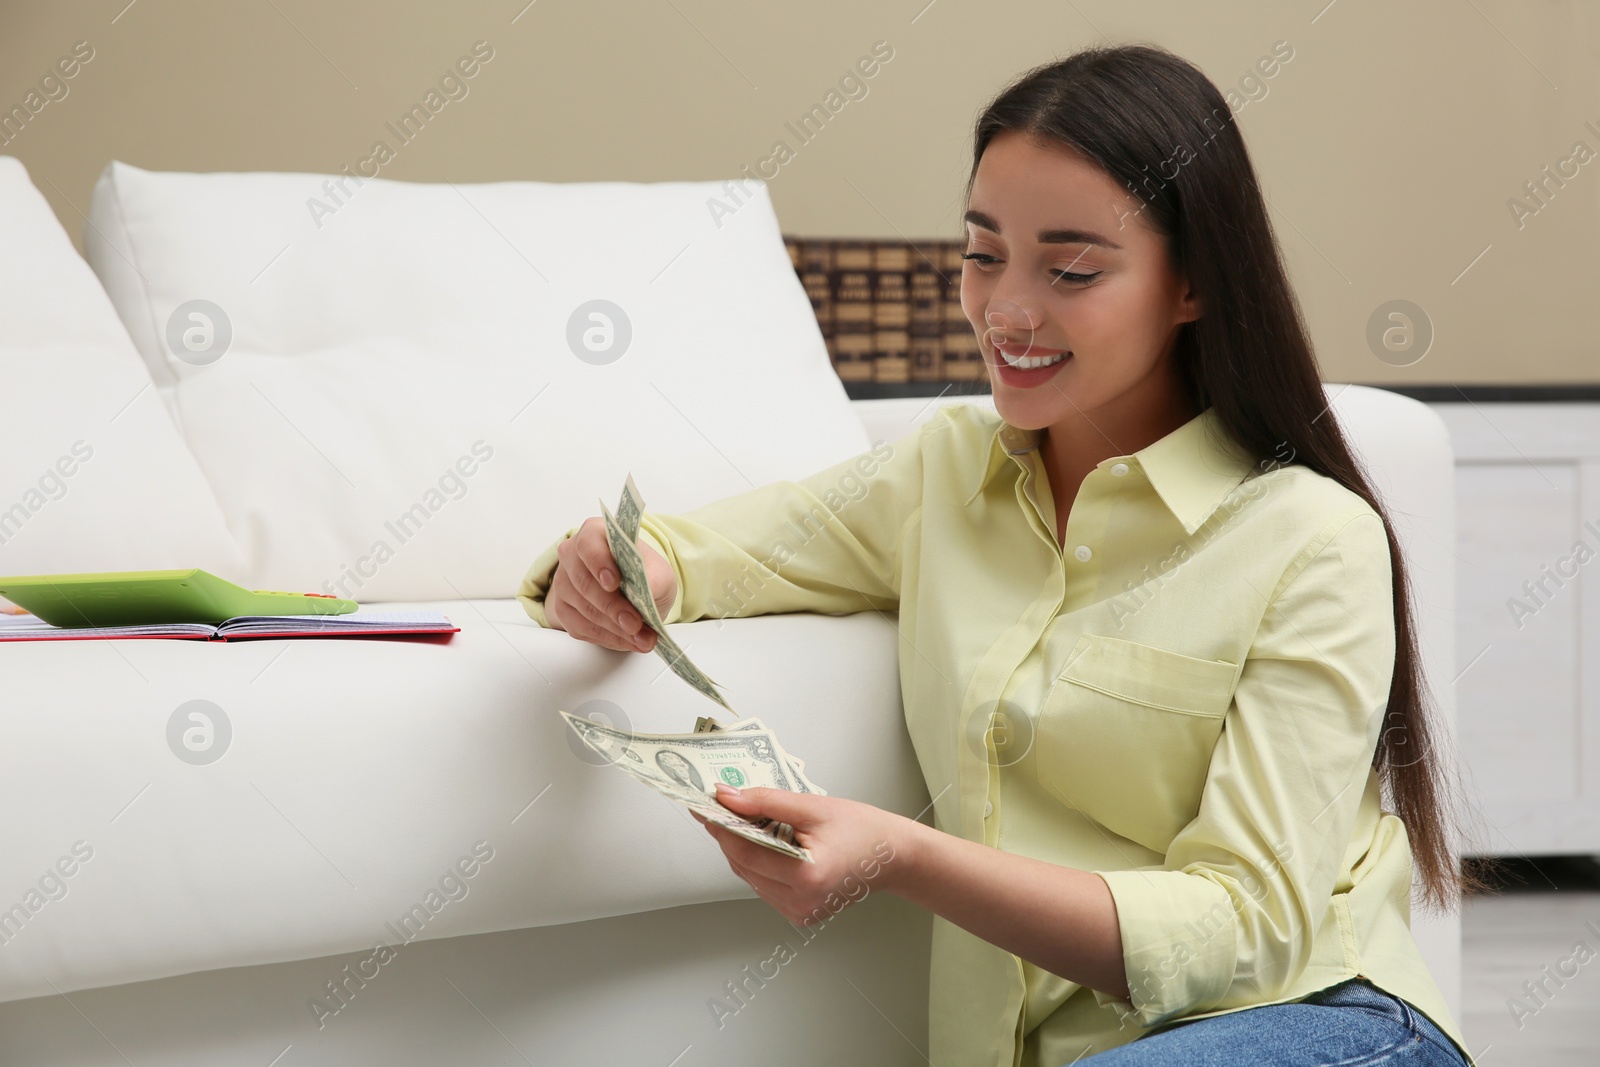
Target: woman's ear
point(1189, 305)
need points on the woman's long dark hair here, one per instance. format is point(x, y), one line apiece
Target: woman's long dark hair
point(1248, 356)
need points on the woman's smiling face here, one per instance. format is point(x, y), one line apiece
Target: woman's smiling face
point(1060, 261)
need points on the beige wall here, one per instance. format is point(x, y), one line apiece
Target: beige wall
point(1389, 145)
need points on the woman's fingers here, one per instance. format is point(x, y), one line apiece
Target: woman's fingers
point(590, 556)
point(613, 622)
point(766, 887)
point(573, 613)
point(586, 599)
point(796, 809)
point(591, 546)
point(749, 858)
point(604, 588)
point(582, 621)
point(579, 619)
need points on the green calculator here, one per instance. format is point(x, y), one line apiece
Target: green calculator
point(136, 598)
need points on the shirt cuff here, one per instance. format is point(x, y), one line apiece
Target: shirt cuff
point(1178, 942)
point(536, 583)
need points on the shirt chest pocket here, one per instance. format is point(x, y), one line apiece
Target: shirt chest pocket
point(1126, 735)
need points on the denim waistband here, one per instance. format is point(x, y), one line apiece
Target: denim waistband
point(1361, 993)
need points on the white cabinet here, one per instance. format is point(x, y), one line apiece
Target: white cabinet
point(1528, 623)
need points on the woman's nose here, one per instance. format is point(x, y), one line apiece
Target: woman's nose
point(1007, 320)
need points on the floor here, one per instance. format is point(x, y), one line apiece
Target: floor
point(1531, 963)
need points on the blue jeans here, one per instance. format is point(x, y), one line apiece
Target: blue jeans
point(1352, 1024)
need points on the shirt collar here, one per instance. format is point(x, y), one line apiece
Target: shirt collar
point(1192, 469)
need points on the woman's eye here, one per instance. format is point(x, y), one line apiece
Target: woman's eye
point(984, 260)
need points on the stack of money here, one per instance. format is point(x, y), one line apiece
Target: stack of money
point(705, 724)
point(686, 767)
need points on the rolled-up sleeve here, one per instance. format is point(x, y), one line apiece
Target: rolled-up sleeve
point(1228, 919)
point(827, 543)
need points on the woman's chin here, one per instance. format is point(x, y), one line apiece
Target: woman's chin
point(1027, 408)
point(1021, 412)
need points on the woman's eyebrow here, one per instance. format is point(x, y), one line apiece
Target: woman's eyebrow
point(1048, 237)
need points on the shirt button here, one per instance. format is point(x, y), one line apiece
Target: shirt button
point(1119, 469)
point(988, 809)
point(1082, 553)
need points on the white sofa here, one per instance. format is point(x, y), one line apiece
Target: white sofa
point(423, 795)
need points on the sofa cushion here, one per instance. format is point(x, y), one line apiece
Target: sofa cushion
point(403, 391)
point(336, 784)
point(93, 474)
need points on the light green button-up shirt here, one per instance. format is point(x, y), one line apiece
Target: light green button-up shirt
point(1184, 698)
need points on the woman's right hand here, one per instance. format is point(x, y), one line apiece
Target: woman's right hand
point(585, 595)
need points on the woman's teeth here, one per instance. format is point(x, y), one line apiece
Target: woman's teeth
point(1032, 362)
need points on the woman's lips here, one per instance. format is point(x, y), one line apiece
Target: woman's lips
point(1027, 377)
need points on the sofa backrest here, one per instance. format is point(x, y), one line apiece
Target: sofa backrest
point(404, 391)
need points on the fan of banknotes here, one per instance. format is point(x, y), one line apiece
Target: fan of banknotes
point(686, 767)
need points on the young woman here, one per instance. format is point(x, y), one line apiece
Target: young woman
point(1157, 656)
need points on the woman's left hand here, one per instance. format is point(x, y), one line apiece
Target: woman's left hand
point(854, 847)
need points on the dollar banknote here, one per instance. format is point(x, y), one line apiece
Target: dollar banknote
point(629, 509)
point(686, 767)
point(797, 767)
point(636, 587)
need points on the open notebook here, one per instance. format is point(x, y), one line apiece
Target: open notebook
point(355, 624)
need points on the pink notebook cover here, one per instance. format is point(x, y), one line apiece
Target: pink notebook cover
point(357, 624)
